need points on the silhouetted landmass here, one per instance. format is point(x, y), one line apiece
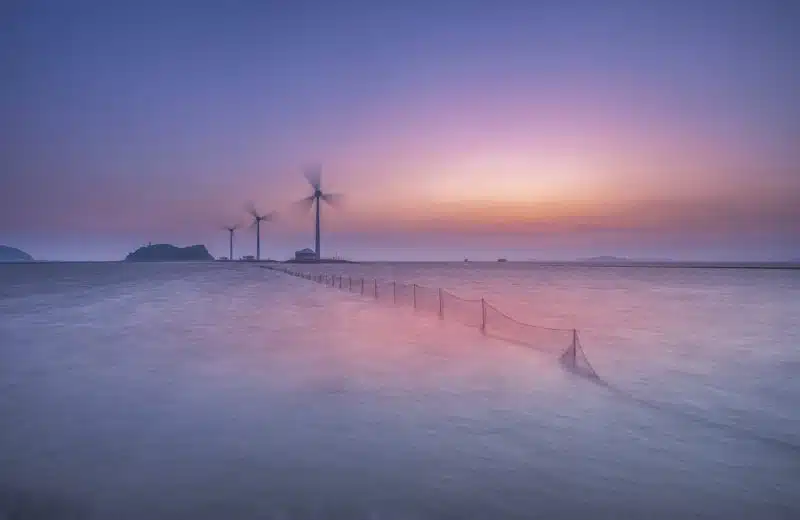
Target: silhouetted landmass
point(603, 259)
point(320, 261)
point(623, 260)
point(169, 253)
point(611, 261)
point(12, 254)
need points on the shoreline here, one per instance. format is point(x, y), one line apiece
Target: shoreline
point(788, 266)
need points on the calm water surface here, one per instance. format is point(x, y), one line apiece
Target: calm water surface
point(228, 391)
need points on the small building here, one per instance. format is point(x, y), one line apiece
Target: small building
point(248, 258)
point(305, 255)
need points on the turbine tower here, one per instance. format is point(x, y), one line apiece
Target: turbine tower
point(314, 176)
point(231, 230)
point(258, 218)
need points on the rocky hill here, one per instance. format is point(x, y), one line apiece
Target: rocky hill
point(12, 254)
point(169, 253)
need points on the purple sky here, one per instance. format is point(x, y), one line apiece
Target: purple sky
point(550, 130)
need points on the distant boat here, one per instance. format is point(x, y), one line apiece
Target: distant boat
point(502, 260)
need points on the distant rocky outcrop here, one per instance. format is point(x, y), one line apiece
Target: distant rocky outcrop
point(12, 254)
point(623, 260)
point(604, 259)
point(169, 253)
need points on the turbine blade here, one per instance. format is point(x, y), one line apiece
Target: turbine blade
point(303, 205)
point(313, 173)
point(334, 199)
point(251, 209)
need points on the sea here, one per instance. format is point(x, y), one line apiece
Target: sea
point(227, 390)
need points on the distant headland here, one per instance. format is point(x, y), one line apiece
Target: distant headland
point(169, 253)
point(12, 254)
point(320, 261)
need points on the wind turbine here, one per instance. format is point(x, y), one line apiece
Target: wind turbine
point(258, 218)
point(231, 230)
point(314, 176)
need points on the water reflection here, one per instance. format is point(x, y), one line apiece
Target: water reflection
point(233, 391)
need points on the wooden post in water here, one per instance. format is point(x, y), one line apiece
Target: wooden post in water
point(414, 294)
point(574, 348)
point(375, 287)
point(483, 316)
point(394, 292)
point(362, 287)
point(441, 305)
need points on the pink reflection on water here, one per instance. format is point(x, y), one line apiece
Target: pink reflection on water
point(709, 339)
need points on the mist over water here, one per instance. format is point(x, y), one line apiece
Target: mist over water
point(224, 390)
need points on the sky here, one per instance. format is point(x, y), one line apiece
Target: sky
point(521, 129)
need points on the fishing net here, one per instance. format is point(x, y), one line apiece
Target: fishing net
point(473, 313)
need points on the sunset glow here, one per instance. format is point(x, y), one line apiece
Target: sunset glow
point(583, 120)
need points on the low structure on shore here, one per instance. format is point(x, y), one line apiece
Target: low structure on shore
point(305, 255)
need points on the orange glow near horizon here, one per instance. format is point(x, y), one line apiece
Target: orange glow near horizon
point(513, 179)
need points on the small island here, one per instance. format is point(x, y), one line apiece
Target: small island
point(12, 254)
point(604, 260)
point(169, 253)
